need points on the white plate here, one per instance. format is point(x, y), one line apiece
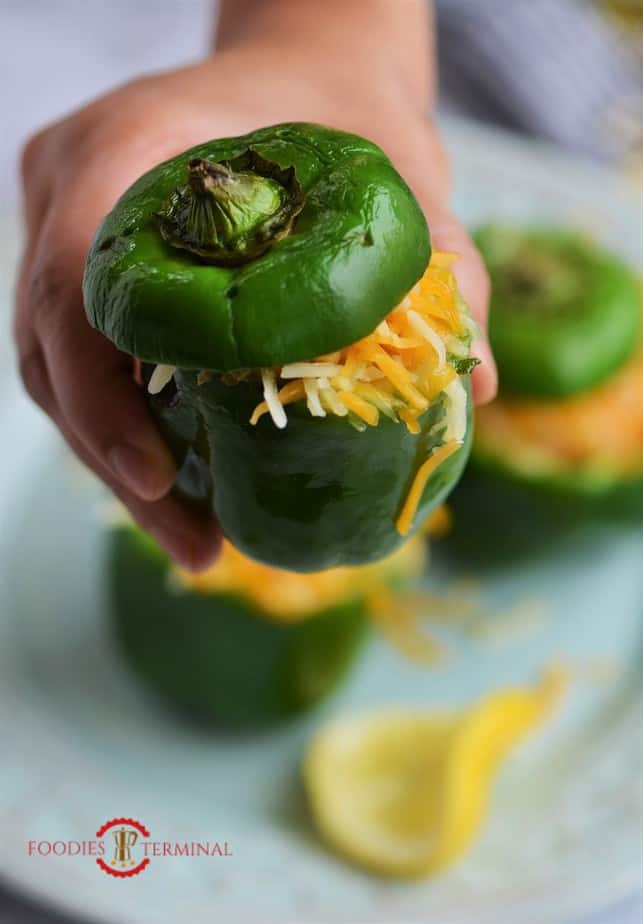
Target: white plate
point(81, 742)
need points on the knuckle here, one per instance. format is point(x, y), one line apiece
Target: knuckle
point(47, 288)
point(80, 125)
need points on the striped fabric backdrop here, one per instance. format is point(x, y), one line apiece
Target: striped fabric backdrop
point(554, 68)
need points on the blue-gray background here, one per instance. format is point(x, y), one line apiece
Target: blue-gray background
point(557, 69)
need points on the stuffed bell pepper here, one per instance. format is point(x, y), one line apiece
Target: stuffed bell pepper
point(305, 353)
point(564, 439)
point(243, 643)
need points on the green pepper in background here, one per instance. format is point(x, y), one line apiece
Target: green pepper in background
point(242, 644)
point(306, 356)
point(564, 312)
point(562, 444)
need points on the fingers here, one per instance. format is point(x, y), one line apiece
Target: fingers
point(87, 387)
point(428, 175)
point(89, 382)
point(484, 377)
point(191, 540)
point(77, 376)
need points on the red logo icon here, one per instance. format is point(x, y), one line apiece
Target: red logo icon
point(128, 837)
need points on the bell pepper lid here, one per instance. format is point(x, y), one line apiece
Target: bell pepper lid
point(304, 239)
point(565, 312)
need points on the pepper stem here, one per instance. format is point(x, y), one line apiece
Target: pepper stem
point(231, 212)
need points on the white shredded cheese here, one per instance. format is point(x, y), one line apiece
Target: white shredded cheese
point(457, 347)
point(329, 395)
point(418, 323)
point(470, 325)
point(275, 407)
point(312, 398)
point(456, 411)
point(310, 370)
point(160, 377)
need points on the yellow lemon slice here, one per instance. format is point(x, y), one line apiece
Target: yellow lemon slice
point(403, 793)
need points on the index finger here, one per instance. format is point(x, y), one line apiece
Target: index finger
point(90, 380)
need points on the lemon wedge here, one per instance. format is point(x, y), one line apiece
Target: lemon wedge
point(402, 793)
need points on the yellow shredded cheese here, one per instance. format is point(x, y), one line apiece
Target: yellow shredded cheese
point(398, 370)
point(398, 618)
point(420, 325)
point(359, 406)
point(287, 596)
point(599, 429)
point(424, 472)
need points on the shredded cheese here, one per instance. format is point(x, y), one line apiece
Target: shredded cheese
point(360, 407)
point(420, 325)
point(310, 370)
point(405, 361)
point(398, 370)
point(398, 617)
point(456, 412)
point(424, 472)
point(287, 596)
point(312, 398)
point(160, 377)
point(293, 391)
point(596, 431)
point(274, 405)
point(204, 377)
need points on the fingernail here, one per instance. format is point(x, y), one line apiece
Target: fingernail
point(138, 472)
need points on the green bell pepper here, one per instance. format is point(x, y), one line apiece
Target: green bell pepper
point(545, 460)
point(298, 241)
point(318, 494)
point(242, 256)
point(215, 653)
point(564, 313)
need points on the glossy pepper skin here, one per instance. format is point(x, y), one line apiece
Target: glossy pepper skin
point(318, 493)
point(278, 246)
point(353, 244)
point(505, 508)
point(564, 314)
point(214, 655)
point(500, 517)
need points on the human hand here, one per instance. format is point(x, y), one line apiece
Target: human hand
point(74, 171)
